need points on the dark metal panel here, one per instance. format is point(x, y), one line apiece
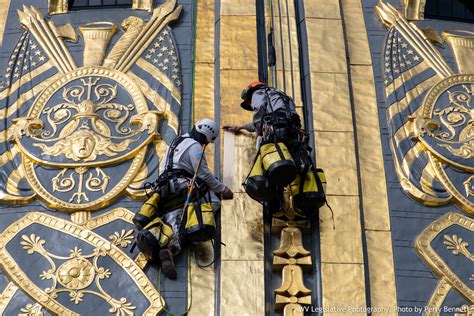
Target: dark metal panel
point(217, 152)
point(456, 10)
point(98, 4)
point(261, 41)
point(3, 281)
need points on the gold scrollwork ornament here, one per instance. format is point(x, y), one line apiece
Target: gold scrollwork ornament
point(31, 310)
point(78, 271)
point(86, 137)
point(291, 257)
point(446, 132)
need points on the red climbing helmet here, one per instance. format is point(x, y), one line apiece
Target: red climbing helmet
point(247, 94)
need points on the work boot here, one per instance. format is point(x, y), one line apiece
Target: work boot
point(167, 263)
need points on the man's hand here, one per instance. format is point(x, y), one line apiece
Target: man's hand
point(227, 194)
point(232, 128)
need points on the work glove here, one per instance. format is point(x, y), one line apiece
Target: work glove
point(227, 194)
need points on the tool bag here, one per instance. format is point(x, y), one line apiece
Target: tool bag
point(256, 184)
point(153, 237)
point(167, 193)
point(147, 211)
point(300, 153)
point(278, 164)
point(308, 191)
point(199, 223)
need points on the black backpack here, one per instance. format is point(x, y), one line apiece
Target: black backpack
point(286, 127)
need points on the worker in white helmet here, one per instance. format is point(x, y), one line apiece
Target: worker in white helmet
point(182, 158)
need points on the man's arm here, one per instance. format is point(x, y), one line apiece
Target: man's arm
point(234, 128)
point(206, 175)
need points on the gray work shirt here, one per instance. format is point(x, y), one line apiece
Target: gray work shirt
point(186, 157)
point(261, 106)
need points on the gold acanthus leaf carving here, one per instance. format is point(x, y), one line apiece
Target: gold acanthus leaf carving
point(31, 310)
point(148, 121)
point(458, 115)
point(469, 186)
point(423, 126)
point(458, 246)
point(465, 151)
point(122, 239)
point(24, 126)
point(95, 182)
point(33, 244)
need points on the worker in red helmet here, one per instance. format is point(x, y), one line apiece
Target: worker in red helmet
point(271, 107)
point(246, 104)
point(275, 120)
point(248, 92)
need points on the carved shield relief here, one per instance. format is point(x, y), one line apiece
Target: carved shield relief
point(448, 135)
point(75, 128)
point(84, 269)
point(84, 122)
point(430, 114)
point(77, 134)
point(444, 245)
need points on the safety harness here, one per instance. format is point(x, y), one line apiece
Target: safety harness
point(170, 176)
point(281, 124)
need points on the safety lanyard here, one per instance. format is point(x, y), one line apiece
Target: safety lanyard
point(193, 181)
point(174, 145)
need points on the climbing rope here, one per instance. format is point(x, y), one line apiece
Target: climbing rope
point(190, 300)
point(192, 118)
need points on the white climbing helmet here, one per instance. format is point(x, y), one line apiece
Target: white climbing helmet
point(208, 128)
